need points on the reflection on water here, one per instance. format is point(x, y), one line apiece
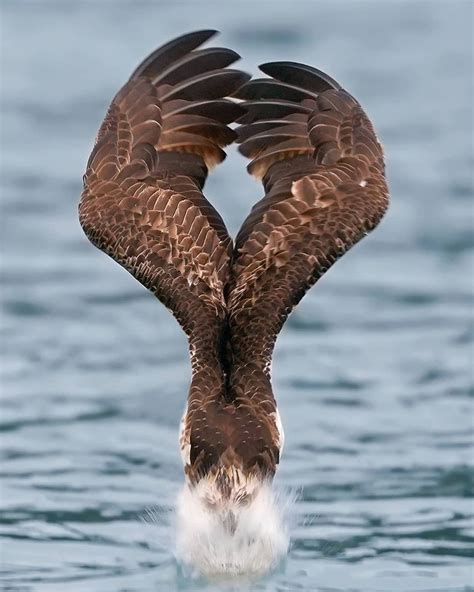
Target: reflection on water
point(371, 371)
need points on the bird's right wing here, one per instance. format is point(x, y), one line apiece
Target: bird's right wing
point(322, 168)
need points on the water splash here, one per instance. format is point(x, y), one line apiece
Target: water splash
point(261, 538)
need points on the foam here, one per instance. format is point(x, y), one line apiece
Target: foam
point(207, 548)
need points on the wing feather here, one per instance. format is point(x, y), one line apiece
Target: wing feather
point(142, 202)
point(322, 168)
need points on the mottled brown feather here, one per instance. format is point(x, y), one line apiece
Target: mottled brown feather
point(323, 172)
point(142, 202)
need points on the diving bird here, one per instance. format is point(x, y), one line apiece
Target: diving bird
point(322, 169)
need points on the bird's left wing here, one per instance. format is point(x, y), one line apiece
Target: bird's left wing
point(142, 202)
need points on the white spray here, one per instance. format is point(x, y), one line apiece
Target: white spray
point(205, 546)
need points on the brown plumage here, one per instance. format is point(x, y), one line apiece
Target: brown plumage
point(322, 169)
point(323, 172)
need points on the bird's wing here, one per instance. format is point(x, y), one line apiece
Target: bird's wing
point(142, 202)
point(322, 168)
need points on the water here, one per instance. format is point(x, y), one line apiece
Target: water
point(371, 372)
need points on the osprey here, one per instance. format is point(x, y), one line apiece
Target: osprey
point(322, 169)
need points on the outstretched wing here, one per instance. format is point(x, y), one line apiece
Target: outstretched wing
point(323, 171)
point(142, 202)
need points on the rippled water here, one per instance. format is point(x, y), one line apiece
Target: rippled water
point(371, 372)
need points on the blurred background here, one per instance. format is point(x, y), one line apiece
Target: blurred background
point(372, 371)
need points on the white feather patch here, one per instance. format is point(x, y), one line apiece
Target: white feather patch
point(184, 443)
point(281, 431)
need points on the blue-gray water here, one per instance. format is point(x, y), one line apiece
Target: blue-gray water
point(371, 372)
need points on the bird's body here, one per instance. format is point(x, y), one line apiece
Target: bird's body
point(323, 174)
